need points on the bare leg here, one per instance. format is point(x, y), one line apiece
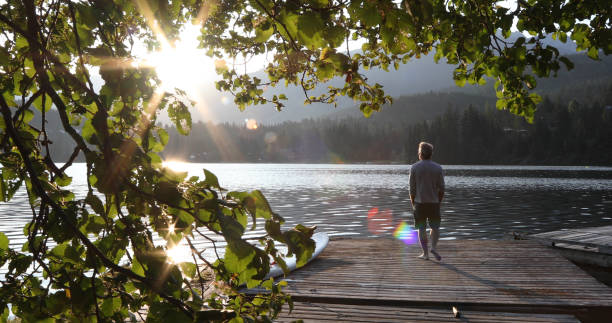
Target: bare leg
point(435, 236)
point(423, 242)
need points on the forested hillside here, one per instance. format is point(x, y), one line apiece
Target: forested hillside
point(563, 133)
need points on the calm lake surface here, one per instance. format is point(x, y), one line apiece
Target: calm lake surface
point(481, 202)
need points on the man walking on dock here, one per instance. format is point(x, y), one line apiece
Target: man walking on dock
point(426, 193)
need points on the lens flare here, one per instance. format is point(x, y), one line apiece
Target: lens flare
point(270, 137)
point(179, 253)
point(379, 222)
point(251, 124)
point(405, 233)
point(176, 165)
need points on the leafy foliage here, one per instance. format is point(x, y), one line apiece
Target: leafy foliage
point(475, 36)
point(94, 258)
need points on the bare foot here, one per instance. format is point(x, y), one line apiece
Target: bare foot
point(424, 257)
point(436, 254)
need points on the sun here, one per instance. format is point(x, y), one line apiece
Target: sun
point(179, 253)
point(176, 165)
point(182, 64)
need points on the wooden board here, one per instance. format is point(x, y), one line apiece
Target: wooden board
point(472, 273)
point(596, 237)
point(314, 312)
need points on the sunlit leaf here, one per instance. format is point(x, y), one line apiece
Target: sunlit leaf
point(4, 242)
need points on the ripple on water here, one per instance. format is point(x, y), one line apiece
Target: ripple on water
point(481, 201)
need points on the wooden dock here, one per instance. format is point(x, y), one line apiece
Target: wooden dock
point(598, 238)
point(592, 246)
point(498, 277)
point(317, 312)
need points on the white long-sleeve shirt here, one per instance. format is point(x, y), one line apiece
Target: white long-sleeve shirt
point(426, 181)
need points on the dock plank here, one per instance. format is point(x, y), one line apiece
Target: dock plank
point(314, 312)
point(593, 237)
point(472, 272)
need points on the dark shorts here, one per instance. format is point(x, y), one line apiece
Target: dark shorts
point(427, 212)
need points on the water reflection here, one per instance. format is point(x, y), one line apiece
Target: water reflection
point(482, 202)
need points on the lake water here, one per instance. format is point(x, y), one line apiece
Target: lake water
point(481, 202)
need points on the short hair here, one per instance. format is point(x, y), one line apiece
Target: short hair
point(425, 150)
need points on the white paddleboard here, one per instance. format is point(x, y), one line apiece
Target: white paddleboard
point(321, 240)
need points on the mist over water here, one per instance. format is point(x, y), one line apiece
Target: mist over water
point(481, 202)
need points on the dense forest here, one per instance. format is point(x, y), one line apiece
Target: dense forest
point(563, 133)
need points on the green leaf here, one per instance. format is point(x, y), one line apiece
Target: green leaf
point(163, 313)
point(318, 3)
point(325, 70)
point(210, 179)
point(334, 36)
point(568, 64)
point(89, 132)
point(232, 229)
point(179, 114)
point(460, 80)
point(366, 109)
point(264, 210)
point(184, 221)
point(59, 250)
point(593, 52)
point(21, 42)
point(299, 244)
point(39, 105)
point(369, 15)
point(214, 316)
point(71, 254)
point(29, 68)
point(111, 305)
point(168, 193)
point(339, 60)
point(5, 57)
point(10, 100)
point(500, 104)
point(4, 242)
point(163, 136)
point(20, 264)
point(95, 224)
point(137, 267)
point(95, 203)
point(64, 180)
point(156, 161)
point(310, 27)
point(263, 32)
point(189, 269)
point(267, 4)
point(289, 27)
point(155, 145)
